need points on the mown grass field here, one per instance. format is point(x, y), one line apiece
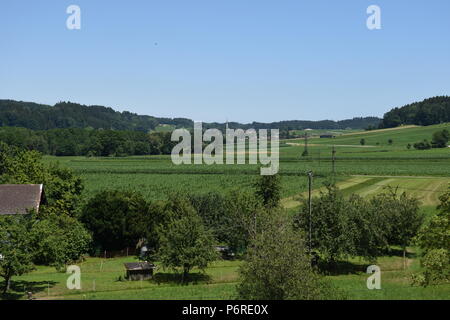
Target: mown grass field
point(100, 279)
point(365, 170)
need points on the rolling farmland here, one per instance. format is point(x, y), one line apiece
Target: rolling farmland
point(363, 170)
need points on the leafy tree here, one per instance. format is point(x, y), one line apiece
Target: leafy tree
point(213, 209)
point(268, 189)
point(343, 227)
point(362, 141)
point(58, 240)
point(390, 141)
point(434, 240)
point(403, 217)
point(117, 219)
point(16, 255)
point(277, 266)
point(184, 241)
point(331, 231)
point(246, 218)
point(408, 146)
point(440, 139)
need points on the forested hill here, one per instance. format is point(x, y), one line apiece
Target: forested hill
point(427, 112)
point(72, 115)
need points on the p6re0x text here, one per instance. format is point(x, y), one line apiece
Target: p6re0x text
point(247, 309)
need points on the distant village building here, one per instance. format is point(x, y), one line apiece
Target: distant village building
point(21, 198)
point(139, 270)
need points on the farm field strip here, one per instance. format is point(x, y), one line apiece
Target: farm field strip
point(426, 189)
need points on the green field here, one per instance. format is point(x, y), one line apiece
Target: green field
point(101, 280)
point(156, 177)
point(365, 170)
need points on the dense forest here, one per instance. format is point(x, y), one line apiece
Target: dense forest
point(88, 142)
point(427, 112)
point(72, 115)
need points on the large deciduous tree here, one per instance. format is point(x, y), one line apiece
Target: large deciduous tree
point(117, 219)
point(16, 253)
point(184, 241)
point(277, 266)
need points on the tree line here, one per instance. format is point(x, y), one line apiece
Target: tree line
point(73, 115)
point(427, 112)
point(88, 142)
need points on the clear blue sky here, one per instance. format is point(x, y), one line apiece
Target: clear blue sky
point(241, 60)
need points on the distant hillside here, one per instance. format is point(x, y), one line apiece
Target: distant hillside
point(427, 112)
point(72, 115)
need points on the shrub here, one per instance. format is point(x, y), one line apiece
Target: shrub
point(423, 145)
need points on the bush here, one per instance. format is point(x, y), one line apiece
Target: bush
point(423, 145)
point(440, 139)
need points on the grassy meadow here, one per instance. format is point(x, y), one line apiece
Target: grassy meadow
point(365, 170)
point(103, 279)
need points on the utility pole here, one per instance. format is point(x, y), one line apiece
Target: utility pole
point(305, 152)
point(333, 159)
point(306, 142)
point(310, 178)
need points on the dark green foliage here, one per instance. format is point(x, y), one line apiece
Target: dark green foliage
point(332, 232)
point(247, 216)
point(402, 215)
point(118, 219)
point(344, 227)
point(184, 241)
point(440, 139)
point(362, 142)
point(15, 249)
point(55, 236)
point(434, 240)
point(232, 218)
point(268, 190)
point(430, 111)
point(58, 240)
point(424, 145)
point(62, 188)
point(277, 266)
point(72, 115)
point(213, 209)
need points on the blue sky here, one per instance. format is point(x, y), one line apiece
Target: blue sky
point(241, 60)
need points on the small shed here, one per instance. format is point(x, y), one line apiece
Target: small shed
point(20, 198)
point(139, 270)
point(327, 135)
